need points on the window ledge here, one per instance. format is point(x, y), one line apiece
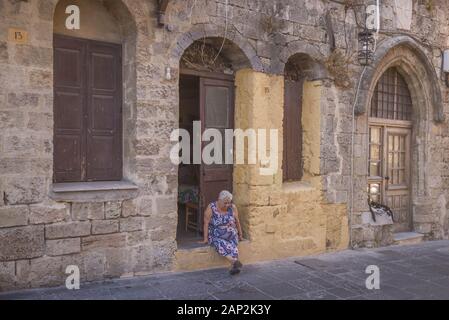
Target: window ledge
point(94, 191)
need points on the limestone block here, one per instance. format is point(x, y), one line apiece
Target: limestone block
point(10, 166)
point(28, 55)
point(145, 208)
point(63, 246)
point(23, 268)
point(143, 258)
point(129, 208)
point(132, 224)
point(94, 265)
point(404, 13)
point(21, 243)
point(40, 121)
point(23, 100)
point(165, 205)
point(41, 79)
point(146, 147)
point(113, 209)
point(24, 190)
point(49, 213)
point(25, 146)
point(88, 211)
point(4, 52)
point(67, 230)
point(47, 271)
point(164, 232)
point(156, 221)
point(13, 216)
point(46, 8)
point(11, 119)
point(137, 237)
point(41, 167)
point(7, 275)
point(115, 240)
point(105, 226)
point(118, 261)
point(259, 196)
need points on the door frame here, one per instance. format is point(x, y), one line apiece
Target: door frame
point(386, 124)
point(209, 76)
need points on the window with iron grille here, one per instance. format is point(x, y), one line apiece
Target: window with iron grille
point(391, 98)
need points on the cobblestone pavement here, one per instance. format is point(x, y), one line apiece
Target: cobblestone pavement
point(406, 272)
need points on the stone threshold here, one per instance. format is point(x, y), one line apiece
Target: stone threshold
point(94, 191)
point(402, 238)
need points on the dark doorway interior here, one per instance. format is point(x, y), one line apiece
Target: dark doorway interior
point(189, 174)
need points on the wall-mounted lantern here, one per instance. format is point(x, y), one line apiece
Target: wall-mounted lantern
point(162, 8)
point(366, 47)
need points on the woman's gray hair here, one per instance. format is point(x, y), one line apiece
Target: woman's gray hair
point(225, 195)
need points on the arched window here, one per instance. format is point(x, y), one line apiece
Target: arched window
point(88, 97)
point(391, 98)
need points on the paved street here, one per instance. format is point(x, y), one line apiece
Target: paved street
point(407, 272)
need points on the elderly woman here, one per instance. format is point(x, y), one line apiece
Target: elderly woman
point(221, 219)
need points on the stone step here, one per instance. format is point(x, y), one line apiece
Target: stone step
point(405, 238)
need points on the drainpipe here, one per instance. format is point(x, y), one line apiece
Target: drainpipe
point(351, 213)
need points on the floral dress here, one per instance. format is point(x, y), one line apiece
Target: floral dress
point(223, 233)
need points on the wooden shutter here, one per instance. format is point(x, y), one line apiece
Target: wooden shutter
point(292, 162)
point(69, 103)
point(104, 124)
point(87, 109)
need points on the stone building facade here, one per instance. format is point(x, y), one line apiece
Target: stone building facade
point(129, 227)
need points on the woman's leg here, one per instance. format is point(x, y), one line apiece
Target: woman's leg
point(231, 260)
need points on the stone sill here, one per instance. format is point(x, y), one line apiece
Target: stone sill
point(94, 191)
point(297, 186)
point(202, 247)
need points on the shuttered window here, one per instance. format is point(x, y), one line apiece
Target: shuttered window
point(87, 110)
point(292, 162)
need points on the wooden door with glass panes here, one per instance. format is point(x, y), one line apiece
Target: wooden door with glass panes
point(390, 129)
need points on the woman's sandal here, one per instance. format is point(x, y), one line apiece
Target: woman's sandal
point(236, 268)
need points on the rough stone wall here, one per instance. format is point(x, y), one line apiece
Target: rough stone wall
point(419, 60)
point(39, 236)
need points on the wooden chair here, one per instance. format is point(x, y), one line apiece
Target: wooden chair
point(191, 216)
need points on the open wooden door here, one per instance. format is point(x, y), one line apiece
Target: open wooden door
point(217, 112)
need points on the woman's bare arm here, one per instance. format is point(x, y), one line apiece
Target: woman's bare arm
point(207, 217)
point(237, 221)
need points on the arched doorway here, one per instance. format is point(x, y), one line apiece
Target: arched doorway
point(206, 101)
point(389, 159)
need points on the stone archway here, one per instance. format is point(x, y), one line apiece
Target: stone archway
point(311, 57)
point(426, 73)
point(244, 57)
point(411, 62)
